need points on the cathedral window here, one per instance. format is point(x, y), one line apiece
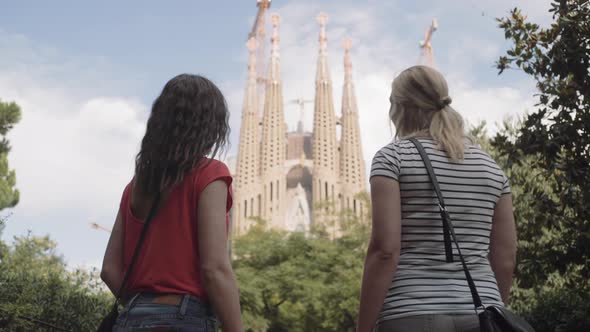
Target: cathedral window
point(259, 204)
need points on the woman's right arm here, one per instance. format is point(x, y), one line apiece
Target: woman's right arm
point(216, 271)
point(503, 245)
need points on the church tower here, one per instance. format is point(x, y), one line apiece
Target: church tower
point(273, 144)
point(324, 142)
point(296, 180)
point(247, 200)
point(352, 165)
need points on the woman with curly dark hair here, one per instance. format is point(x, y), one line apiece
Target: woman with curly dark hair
point(181, 278)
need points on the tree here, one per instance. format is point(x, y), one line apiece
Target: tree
point(554, 147)
point(35, 283)
point(558, 133)
point(10, 114)
point(549, 299)
point(302, 282)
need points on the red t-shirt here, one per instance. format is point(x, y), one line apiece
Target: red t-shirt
point(169, 258)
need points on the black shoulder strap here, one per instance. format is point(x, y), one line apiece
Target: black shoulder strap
point(144, 229)
point(447, 221)
point(441, 203)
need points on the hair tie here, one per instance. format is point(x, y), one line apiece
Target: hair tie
point(444, 102)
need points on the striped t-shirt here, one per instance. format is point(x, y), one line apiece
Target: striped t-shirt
point(424, 283)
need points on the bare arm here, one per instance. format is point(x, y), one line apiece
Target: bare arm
point(503, 245)
point(112, 264)
point(383, 252)
point(216, 271)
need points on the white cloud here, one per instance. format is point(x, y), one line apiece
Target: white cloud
point(492, 105)
point(73, 149)
point(81, 158)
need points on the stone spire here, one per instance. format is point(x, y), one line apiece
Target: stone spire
point(352, 165)
point(324, 143)
point(323, 71)
point(273, 145)
point(249, 148)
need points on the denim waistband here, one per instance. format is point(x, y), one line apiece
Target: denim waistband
point(141, 310)
point(197, 305)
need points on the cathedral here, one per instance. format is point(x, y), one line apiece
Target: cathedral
point(291, 179)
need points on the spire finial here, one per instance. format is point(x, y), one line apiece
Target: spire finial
point(347, 45)
point(322, 20)
point(276, 20)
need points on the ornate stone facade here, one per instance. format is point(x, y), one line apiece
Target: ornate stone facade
point(285, 178)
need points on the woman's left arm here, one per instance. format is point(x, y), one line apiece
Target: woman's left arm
point(383, 252)
point(112, 264)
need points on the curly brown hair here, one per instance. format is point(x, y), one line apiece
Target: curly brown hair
point(188, 121)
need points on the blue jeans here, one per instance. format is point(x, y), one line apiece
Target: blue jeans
point(192, 314)
point(431, 323)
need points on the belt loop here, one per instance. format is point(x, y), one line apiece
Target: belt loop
point(128, 307)
point(184, 305)
point(133, 299)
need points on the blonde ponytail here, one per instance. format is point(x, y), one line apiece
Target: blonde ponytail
point(420, 106)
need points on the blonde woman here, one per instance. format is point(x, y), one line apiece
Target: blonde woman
point(407, 283)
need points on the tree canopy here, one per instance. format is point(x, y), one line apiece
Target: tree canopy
point(9, 116)
point(548, 158)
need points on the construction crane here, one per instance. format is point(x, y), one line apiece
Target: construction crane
point(258, 33)
point(99, 227)
point(426, 57)
point(301, 102)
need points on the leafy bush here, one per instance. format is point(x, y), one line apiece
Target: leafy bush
point(35, 283)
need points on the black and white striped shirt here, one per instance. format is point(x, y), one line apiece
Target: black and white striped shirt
point(424, 283)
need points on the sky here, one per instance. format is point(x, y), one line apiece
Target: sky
point(85, 75)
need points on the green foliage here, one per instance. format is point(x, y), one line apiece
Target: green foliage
point(558, 133)
point(301, 282)
point(35, 283)
point(9, 115)
point(561, 303)
point(552, 294)
point(549, 161)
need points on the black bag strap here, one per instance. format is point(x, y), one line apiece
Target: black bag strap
point(144, 229)
point(441, 203)
point(447, 221)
